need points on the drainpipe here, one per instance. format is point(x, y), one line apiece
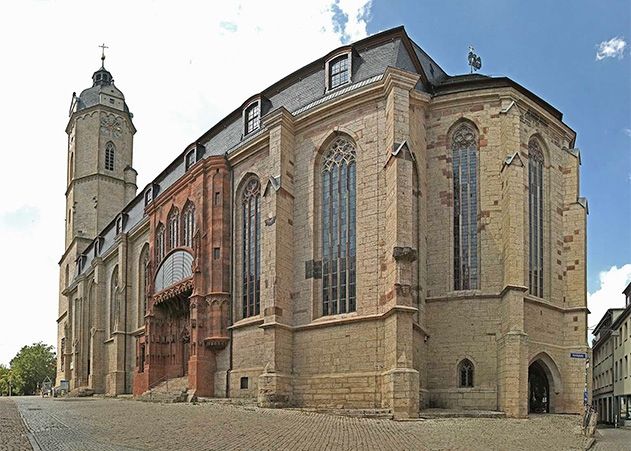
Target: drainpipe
point(125, 320)
point(230, 282)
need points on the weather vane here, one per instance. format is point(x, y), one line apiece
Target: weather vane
point(103, 47)
point(474, 60)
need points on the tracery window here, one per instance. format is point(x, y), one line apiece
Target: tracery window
point(188, 224)
point(251, 255)
point(464, 147)
point(252, 118)
point(465, 373)
point(114, 300)
point(535, 208)
point(338, 71)
point(172, 224)
point(143, 281)
point(338, 228)
point(160, 248)
point(109, 156)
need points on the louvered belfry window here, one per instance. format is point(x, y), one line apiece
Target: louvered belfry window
point(109, 156)
point(251, 245)
point(338, 228)
point(464, 147)
point(535, 208)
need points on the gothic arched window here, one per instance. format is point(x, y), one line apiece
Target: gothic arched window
point(464, 148)
point(143, 280)
point(251, 245)
point(338, 228)
point(114, 300)
point(465, 373)
point(159, 243)
point(188, 224)
point(535, 209)
point(172, 224)
point(110, 150)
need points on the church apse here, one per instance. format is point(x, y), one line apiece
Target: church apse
point(188, 281)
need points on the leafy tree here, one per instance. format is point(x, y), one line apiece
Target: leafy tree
point(31, 366)
point(4, 380)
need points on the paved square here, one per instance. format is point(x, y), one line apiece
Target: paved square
point(114, 424)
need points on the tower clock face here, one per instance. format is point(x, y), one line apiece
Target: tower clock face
point(111, 126)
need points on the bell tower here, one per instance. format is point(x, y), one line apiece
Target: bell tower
point(100, 182)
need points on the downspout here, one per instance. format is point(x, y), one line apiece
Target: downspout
point(230, 282)
point(125, 320)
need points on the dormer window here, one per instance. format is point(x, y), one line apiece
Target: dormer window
point(190, 159)
point(339, 70)
point(253, 117)
point(148, 196)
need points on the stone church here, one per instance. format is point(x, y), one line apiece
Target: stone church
point(368, 232)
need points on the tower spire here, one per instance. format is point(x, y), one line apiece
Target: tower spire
point(103, 47)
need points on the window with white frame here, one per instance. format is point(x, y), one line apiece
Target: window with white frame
point(252, 117)
point(339, 71)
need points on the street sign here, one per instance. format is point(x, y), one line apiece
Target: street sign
point(578, 355)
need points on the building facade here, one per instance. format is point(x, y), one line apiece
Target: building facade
point(612, 370)
point(368, 232)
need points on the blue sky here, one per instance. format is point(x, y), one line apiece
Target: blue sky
point(184, 65)
point(550, 48)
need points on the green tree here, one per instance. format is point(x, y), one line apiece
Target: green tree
point(31, 366)
point(4, 380)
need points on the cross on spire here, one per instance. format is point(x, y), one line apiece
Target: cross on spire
point(103, 47)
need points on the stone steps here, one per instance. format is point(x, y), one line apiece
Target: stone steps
point(169, 391)
point(433, 414)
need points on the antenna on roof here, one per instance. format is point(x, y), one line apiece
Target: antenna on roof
point(475, 62)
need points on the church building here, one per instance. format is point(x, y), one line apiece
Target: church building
point(369, 232)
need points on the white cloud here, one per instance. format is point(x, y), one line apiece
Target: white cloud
point(182, 66)
point(609, 294)
point(611, 49)
point(627, 131)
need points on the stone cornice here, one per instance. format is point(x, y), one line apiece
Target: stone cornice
point(95, 109)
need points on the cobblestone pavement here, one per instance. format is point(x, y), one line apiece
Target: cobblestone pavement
point(110, 424)
point(12, 431)
point(613, 440)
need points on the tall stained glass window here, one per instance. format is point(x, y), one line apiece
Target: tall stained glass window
point(338, 228)
point(172, 222)
point(188, 224)
point(159, 243)
point(251, 256)
point(114, 300)
point(535, 208)
point(143, 281)
point(464, 147)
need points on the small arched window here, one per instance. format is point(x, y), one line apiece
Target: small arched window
point(110, 150)
point(464, 148)
point(143, 281)
point(172, 223)
point(535, 206)
point(188, 224)
point(160, 248)
point(338, 228)
point(465, 373)
point(114, 300)
point(251, 245)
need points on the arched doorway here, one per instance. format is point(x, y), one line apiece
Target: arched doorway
point(538, 389)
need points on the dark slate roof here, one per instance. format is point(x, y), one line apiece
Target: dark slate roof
point(92, 96)
point(300, 91)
